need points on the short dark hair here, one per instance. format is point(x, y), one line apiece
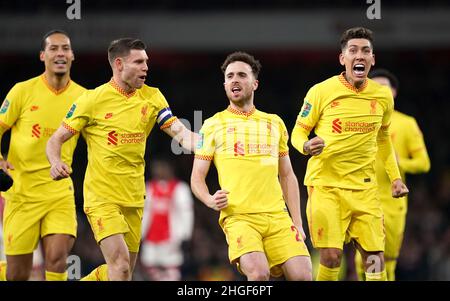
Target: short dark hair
point(356, 33)
point(240, 56)
point(122, 48)
point(50, 33)
point(385, 73)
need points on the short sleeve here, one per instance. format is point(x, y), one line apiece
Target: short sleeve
point(310, 111)
point(11, 107)
point(80, 113)
point(284, 138)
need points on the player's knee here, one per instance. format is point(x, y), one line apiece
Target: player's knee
point(331, 258)
point(56, 260)
point(304, 274)
point(258, 274)
point(120, 268)
point(18, 274)
point(300, 272)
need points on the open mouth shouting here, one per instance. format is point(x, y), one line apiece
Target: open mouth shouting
point(359, 70)
point(236, 90)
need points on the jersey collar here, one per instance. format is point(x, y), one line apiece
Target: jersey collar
point(54, 91)
point(120, 90)
point(237, 112)
point(349, 86)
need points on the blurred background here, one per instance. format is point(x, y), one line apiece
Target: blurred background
point(297, 43)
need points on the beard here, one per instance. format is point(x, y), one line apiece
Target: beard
point(240, 100)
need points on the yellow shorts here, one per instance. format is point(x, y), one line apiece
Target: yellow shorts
point(337, 215)
point(271, 233)
point(108, 219)
point(394, 222)
point(25, 222)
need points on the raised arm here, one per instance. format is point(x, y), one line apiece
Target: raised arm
point(59, 169)
point(182, 135)
point(219, 200)
point(289, 185)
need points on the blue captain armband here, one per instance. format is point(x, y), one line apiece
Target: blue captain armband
point(164, 115)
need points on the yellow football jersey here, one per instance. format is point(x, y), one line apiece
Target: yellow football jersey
point(246, 148)
point(413, 158)
point(115, 126)
point(33, 111)
point(349, 120)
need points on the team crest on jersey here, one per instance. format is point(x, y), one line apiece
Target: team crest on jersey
point(306, 109)
point(4, 106)
point(373, 106)
point(200, 141)
point(72, 109)
point(144, 113)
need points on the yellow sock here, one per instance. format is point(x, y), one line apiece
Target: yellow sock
point(98, 274)
point(2, 270)
point(390, 269)
point(327, 274)
point(359, 267)
point(380, 276)
point(54, 276)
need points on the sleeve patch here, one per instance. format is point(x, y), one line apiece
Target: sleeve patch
point(306, 109)
point(4, 106)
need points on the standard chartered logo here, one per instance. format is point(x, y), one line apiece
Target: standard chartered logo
point(115, 138)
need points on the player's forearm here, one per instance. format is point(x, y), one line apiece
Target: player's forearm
point(289, 185)
point(54, 144)
point(419, 163)
point(189, 140)
point(387, 154)
point(53, 150)
point(186, 138)
point(199, 188)
point(299, 137)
